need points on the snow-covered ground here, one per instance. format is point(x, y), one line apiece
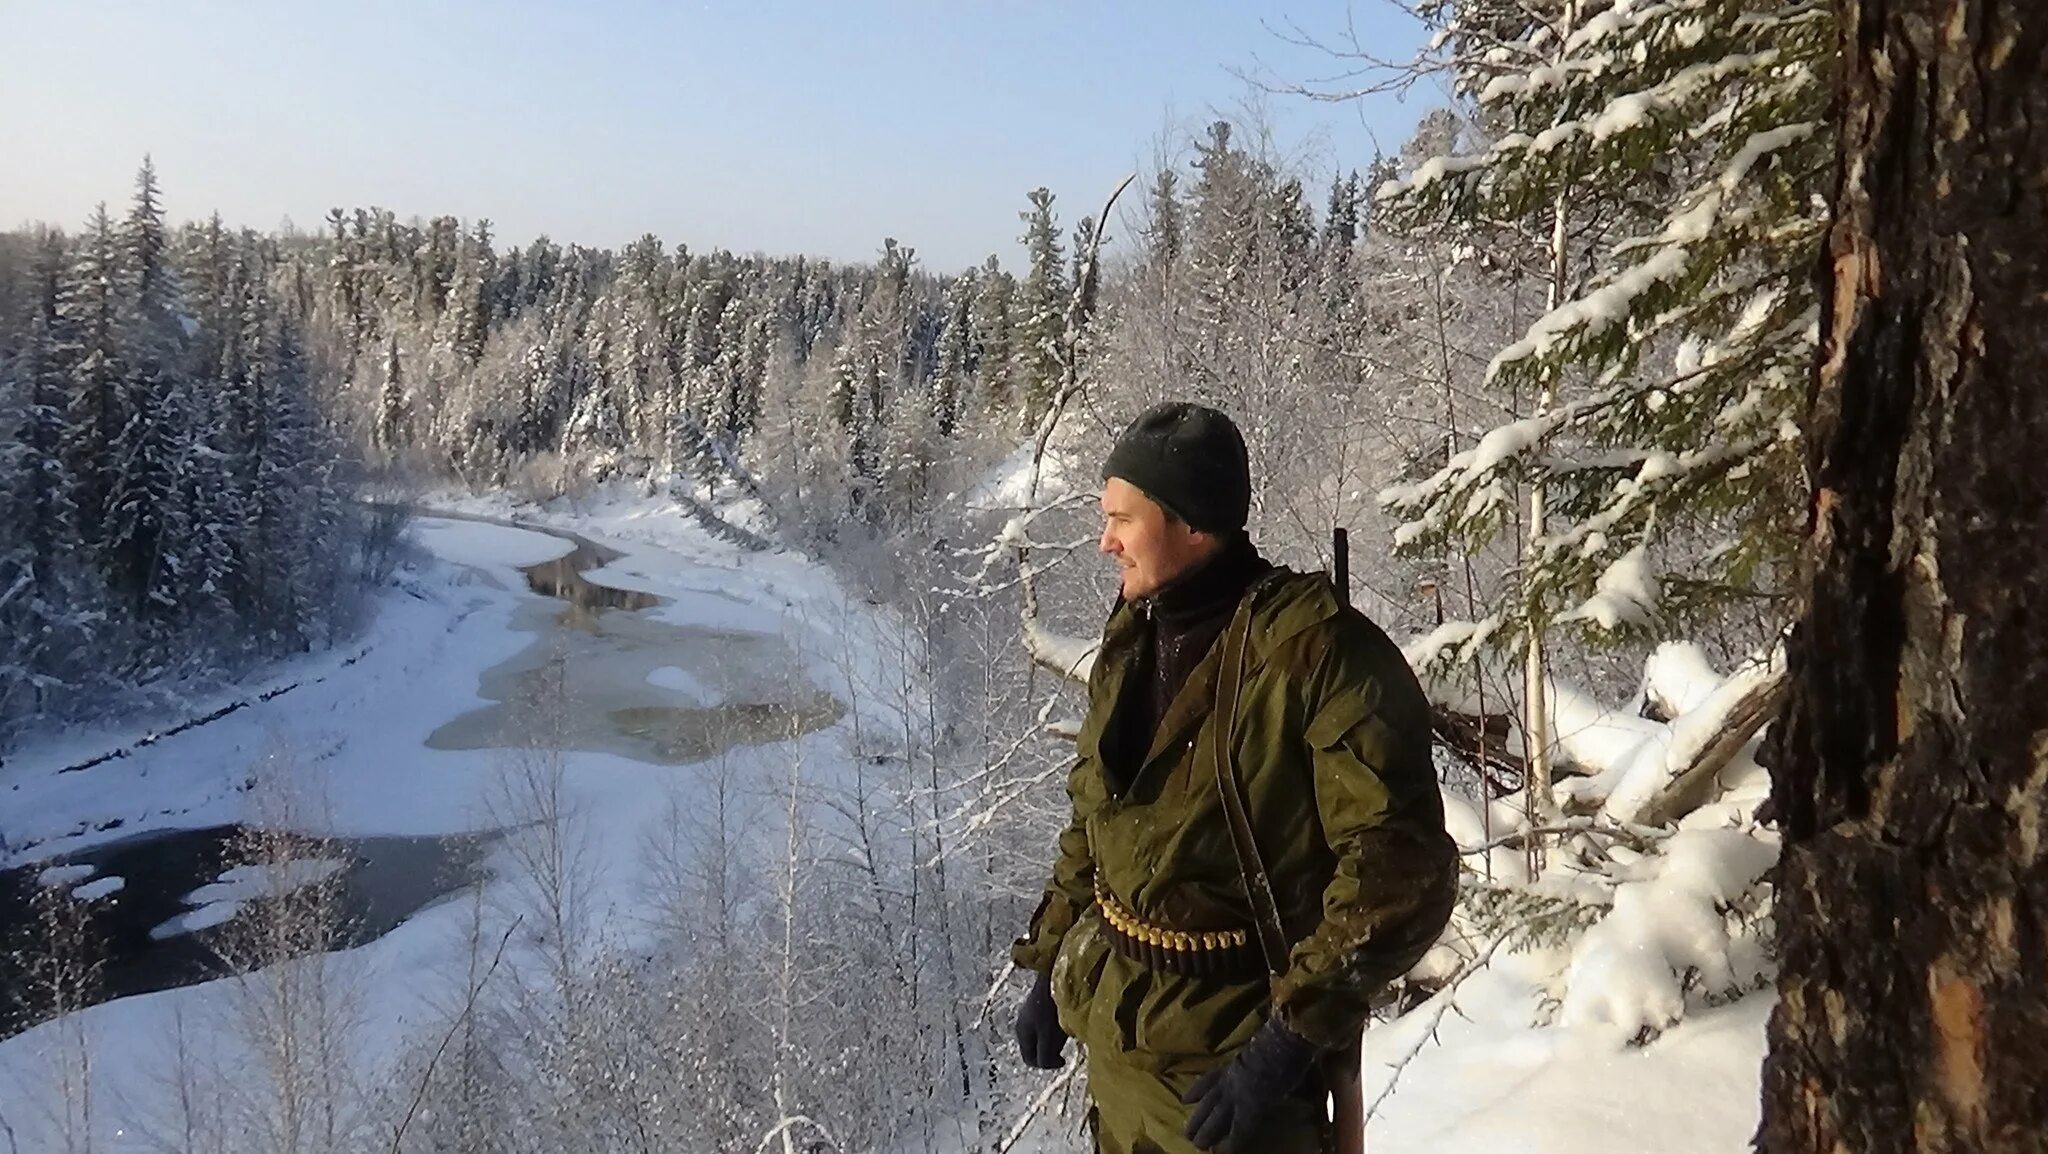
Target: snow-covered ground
point(1490, 1084)
point(352, 740)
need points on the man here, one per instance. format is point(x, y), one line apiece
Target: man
point(1146, 946)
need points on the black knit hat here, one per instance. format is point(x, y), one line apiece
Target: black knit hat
point(1191, 460)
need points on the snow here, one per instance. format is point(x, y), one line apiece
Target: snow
point(1625, 114)
point(1488, 1082)
point(244, 882)
point(476, 543)
point(1597, 311)
point(218, 902)
point(680, 683)
point(1653, 770)
point(1499, 444)
point(1437, 646)
point(1475, 835)
point(206, 917)
point(1624, 595)
point(103, 888)
point(58, 877)
point(1680, 677)
point(1073, 655)
point(1008, 484)
point(1600, 741)
point(1626, 971)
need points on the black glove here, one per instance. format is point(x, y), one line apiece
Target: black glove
point(1039, 1037)
point(1230, 1100)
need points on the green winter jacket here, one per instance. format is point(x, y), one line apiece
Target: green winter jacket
point(1333, 753)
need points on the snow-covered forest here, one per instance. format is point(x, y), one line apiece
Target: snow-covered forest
point(1546, 364)
point(173, 493)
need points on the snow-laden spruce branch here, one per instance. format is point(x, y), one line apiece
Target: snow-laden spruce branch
point(1726, 103)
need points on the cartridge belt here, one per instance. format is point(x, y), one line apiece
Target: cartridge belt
point(1230, 955)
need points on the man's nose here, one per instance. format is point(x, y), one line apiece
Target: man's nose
point(1106, 543)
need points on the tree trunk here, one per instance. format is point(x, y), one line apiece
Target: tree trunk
point(1912, 755)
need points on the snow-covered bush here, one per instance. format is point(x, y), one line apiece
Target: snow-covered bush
point(1629, 923)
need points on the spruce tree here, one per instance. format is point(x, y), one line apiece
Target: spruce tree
point(145, 511)
point(1041, 309)
point(952, 379)
point(994, 349)
point(1163, 231)
point(88, 336)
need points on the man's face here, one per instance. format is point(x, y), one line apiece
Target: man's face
point(1151, 547)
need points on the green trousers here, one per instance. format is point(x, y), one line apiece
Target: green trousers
point(1134, 1111)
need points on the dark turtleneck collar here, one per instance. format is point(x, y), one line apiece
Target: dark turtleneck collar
point(1210, 588)
point(1183, 620)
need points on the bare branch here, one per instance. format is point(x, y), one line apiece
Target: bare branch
point(465, 1014)
point(1030, 1113)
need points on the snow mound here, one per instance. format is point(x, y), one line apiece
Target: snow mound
point(1679, 678)
point(1603, 742)
point(1624, 595)
point(1631, 970)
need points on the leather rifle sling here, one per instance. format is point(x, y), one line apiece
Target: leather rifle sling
point(1258, 887)
point(1340, 1075)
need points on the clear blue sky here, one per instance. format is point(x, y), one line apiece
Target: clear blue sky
point(782, 127)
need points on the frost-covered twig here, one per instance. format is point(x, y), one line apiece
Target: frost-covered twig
point(1638, 837)
point(1012, 791)
point(1030, 1113)
point(21, 585)
point(988, 1000)
point(1444, 1001)
point(468, 1011)
point(1041, 724)
point(783, 1127)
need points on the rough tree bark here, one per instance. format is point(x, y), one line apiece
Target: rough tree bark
point(1911, 769)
